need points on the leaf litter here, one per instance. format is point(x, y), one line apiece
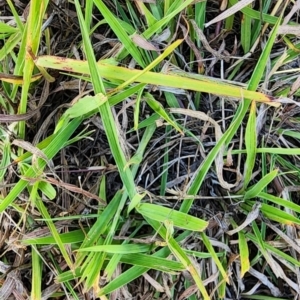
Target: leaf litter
point(85, 175)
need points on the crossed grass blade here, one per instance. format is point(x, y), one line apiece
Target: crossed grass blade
point(91, 263)
point(206, 85)
point(10, 44)
point(151, 262)
point(256, 15)
point(105, 112)
point(32, 36)
point(179, 219)
point(178, 252)
point(260, 185)
point(174, 9)
point(50, 151)
point(16, 16)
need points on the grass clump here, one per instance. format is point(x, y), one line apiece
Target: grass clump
point(149, 150)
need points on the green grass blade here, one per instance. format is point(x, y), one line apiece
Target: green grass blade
point(105, 111)
point(279, 201)
point(179, 219)
point(251, 145)
point(117, 28)
point(246, 33)
point(151, 262)
point(36, 288)
point(119, 249)
point(260, 185)
point(159, 109)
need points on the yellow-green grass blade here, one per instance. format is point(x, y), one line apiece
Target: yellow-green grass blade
point(54, 146)
point(85, 105)
point(229, 20)
point(251, 144)
point(72, 237)
point(244, 253)
point(135, 202)
point(159, 79)
point(33, 36)
point(214, 256)
point(184, 259)
point(159, 109)
point(136, 271)
point(222, 283)
point(150, 66)
point(36, 288)
point(33, 192)
point(6, 30)
point(279, 215)
point(44, 212)
point(88, 12)
point(179, 254)
point(18, 69)
point(179, 219)
point(150, 19)
point(47, 189)
point(200, 12)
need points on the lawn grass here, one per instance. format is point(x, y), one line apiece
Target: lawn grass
point(162, 157)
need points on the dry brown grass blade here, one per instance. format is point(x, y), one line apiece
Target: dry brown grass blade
point(250, 218)
point(289, 29)
point(264, 279)
point(18, 118)
point(30, 148)
point(230, 11)
point(74, 188)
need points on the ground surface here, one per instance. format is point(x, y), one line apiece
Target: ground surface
point(175, 183)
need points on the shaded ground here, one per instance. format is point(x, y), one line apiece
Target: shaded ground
point(83, 163)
